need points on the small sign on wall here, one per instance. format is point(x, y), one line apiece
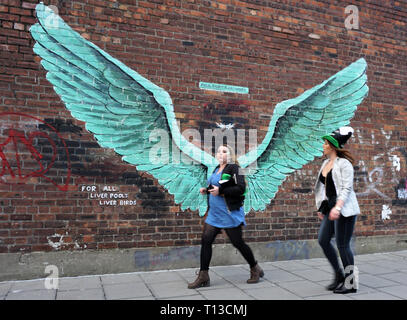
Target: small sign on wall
point(223, 87)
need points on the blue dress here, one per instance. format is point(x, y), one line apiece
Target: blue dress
point(218, 215)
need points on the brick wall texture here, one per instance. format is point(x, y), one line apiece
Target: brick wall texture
point(278, 49)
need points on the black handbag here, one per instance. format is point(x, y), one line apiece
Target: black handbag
point(327, 205)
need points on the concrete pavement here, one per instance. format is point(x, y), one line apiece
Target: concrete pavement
point(382, 276)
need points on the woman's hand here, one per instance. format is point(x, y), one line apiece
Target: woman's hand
point(334, 214)
point(202, 191)
point(320, 215)
point(214, 191)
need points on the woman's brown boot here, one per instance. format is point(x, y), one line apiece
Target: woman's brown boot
point(201, 281)
point(255, 274)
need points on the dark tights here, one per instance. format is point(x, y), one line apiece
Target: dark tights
point(235, 236)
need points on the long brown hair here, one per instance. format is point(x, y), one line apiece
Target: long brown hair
point(343, 153)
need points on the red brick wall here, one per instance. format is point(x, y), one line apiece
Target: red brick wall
point(276, 48)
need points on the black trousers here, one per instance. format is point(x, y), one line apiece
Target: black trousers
point(235, 235)
point(343, 230)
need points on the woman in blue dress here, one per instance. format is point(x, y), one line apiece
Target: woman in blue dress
point(225, 212)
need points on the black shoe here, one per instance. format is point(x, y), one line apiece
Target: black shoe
point(348, 285)
point(339, 279)
point(343, 290)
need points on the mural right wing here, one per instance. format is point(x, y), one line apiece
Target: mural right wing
point(295, 130)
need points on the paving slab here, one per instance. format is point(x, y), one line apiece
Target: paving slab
point(263, 283)
point(171, 289)
point(375, 281)
point(280, 276)
point(317, 262)
point(193, 297)
point(398, 291)
point(400, 253)
point(230, 271)
point(29, 285)
point(291, 265)
point(272, 293)
point(159, 277)
point(126, 290)
point(363, 290)
point(5, 288)
point(373, 269)
point(397, 255)
point(313, 274)
point(227, 293)
point(79, 283)
point(399, 277)
point(83, 294)
point(375, 296)
point(141, 298)
point(121, 278)
point(303, 288)
point(395, 265)
point(330, 296)
point(31, 295)
point(368, 257)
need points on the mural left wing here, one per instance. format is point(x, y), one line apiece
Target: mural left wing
point(123, 110)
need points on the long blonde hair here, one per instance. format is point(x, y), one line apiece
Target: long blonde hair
point(232, 154)
point(234, 160)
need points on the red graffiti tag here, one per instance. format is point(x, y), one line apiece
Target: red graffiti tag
point(18, 136)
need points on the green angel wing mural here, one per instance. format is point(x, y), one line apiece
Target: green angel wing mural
point(295, 130)
point(121, 108)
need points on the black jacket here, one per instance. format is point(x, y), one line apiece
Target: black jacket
point(233, 191)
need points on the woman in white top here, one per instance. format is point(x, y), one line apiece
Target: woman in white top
point(337, 208)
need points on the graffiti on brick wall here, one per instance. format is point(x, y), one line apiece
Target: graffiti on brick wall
point(59, 241)
point(296, 249)
point(388, 167)
point(401, 190)
point(147, 258)
point(289, 250)
point(27, 152)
